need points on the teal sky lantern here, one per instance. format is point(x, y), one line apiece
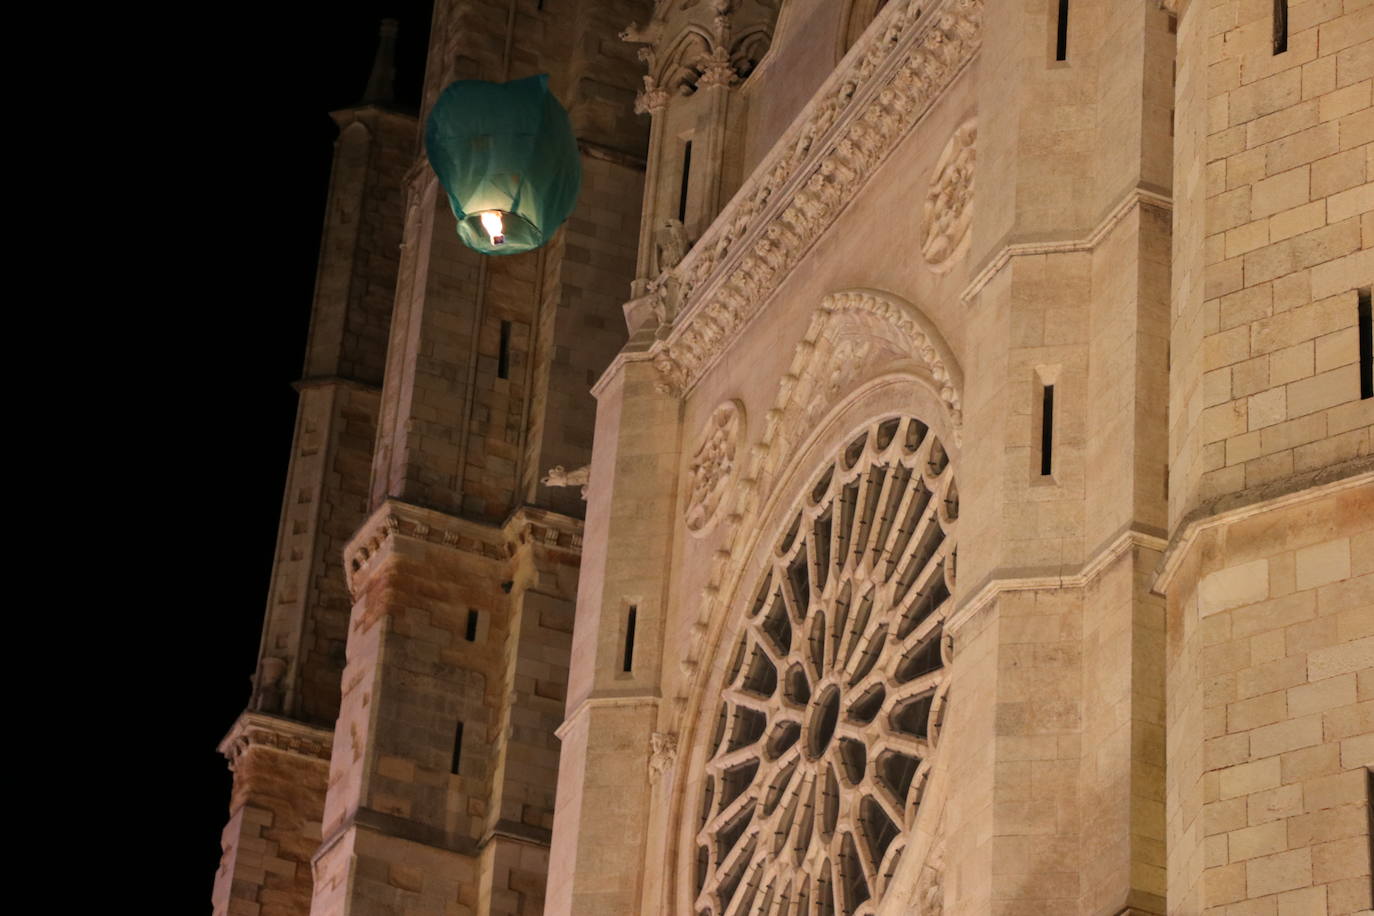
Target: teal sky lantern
point(506, 155)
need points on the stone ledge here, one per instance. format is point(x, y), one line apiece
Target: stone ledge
point(257, 729)
point(998, 582)
point(1139, 196)
point(396, 828)
point(326, 381)
point(526, 526)
point(1234, 507)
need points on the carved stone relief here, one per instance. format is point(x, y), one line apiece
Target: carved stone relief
point(948, 210)
point(713, 465)
point(855, 120)
point(662, 755)
point(930, 886)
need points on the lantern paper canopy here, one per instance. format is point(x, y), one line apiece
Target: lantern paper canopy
point(506, 155)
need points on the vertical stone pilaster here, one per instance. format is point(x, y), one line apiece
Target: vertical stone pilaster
point(1057, 589)
point(412, 677)
point(603, 791)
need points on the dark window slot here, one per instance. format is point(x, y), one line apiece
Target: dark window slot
point(630, 639)
point(471, 634)
point(1061, 39)
point(1280, 26)
point(457, 748)
point(503, 358)
point(686, 182)
point(1366, 332)
point(1047, 431)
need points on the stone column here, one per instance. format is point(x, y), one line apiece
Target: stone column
point(651, 101)
point(603, 797)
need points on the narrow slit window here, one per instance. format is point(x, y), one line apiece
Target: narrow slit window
point(686, 182)
point(1280, 26)
point(630, 639)
point(457, 748)
point(503, 358)
point(471, 634)
point(1061, 38)
point(1047, 431)
point(1366, 317)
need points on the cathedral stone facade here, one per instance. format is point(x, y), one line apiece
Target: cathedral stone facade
point(930, 472)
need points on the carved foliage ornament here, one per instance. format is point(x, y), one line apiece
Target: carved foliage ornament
point(713, 467)
point(855, 120)
point(832, 701)
point(948, 207)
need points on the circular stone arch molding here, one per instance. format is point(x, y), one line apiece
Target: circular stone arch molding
point(875, 801)
point(854, 335)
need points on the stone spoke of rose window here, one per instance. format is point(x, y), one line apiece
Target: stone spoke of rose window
point(822, 740)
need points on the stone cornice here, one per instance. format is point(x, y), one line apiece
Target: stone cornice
point(1135, 197)
point(528, 525)
point(882, 88)
point(339, 381)
point(603, 701)
point(1235, 507)
point(256, 729)
point(992, 587)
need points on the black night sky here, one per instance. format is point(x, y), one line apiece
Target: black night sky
point(270, 76)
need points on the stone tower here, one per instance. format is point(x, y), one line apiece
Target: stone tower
point(279, 747)
point(398, 753)
point(979, 503)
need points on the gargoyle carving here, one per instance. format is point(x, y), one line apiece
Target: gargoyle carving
point(559, 477)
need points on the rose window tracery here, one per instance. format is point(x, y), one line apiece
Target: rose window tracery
point(819, 754)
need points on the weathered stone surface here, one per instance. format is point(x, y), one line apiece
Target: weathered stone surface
point(1110, 285)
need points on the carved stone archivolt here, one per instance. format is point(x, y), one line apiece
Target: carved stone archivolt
point(949, 201)
point(899, 69)
point(831, 705)
point(713, 467)
point(819, 375)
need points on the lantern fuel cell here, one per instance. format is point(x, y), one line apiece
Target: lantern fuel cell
point(507, 158)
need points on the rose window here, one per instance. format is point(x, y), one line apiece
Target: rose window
point(832, 698)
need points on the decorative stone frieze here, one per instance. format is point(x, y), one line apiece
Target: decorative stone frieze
point(714, 465)
point(949, 202)
point(882, 89)
point(256, 729)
